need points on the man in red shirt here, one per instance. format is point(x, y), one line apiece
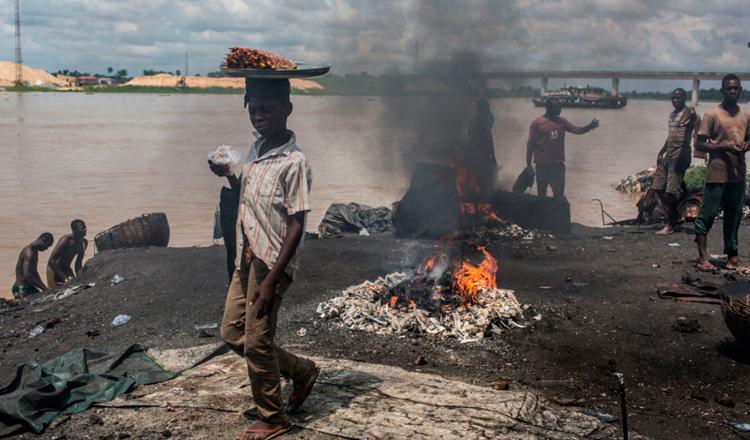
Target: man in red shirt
point(546, 146)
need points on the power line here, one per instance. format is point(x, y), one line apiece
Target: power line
point(19, 59)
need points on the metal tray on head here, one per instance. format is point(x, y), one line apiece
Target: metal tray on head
point(303, 70)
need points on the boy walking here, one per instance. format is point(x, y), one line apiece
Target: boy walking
point(724, 134)
point(274, 199)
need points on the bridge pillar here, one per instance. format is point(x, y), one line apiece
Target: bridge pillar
point(696, 92)
point(543, 86)
point(615, 86)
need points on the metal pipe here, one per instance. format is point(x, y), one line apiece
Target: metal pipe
point(623, 404)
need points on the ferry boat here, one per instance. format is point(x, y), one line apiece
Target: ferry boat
point(582, 97)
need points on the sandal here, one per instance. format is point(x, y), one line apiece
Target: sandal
point(264, 434)
point(299, 394)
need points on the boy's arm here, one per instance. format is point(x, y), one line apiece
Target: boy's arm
point(79, 257)
point(267, 288)
point(530, 144)
point(581, 130)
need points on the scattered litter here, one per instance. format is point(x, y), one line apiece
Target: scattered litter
point(546, 287)
point(93, 333)
point(604, 417)
point(656, 265)
point(725, 400)
point(579, 284)
point(302, 332)
point(501, 385)
point(72, 290)
point(608, 237)
point(211, 326)
point(718, 257)
point(568, 279)
point(685, 325)
point(742, 427)
point(552, 248)
point(121, 320)
point(36, 331)
point(420, 360)
point(673, 244)
point(363, 232)
point(117, 279)
point(204, 334)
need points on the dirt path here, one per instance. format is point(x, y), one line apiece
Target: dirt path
point(597, 297)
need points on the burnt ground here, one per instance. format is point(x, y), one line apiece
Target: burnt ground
point(597, 297)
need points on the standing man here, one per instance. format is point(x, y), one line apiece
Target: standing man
point(674, 158)
point(546, 146)
point(274, 200)
point(69, 246)
point(724, 134)
point(28, 280)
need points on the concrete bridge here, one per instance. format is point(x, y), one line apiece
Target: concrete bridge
point(545, 75)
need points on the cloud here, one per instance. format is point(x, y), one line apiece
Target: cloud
point(383, 35)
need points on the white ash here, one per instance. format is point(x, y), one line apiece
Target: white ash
point(357, 309)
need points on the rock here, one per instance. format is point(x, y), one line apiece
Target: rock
point(205, 334)
point(420, 360)
point(95, 420)
point(552, 248)
point(166, 433)
point(725, 400)
point(501, 385)
point(123, 435)
point(685, 325)
point(567, 401)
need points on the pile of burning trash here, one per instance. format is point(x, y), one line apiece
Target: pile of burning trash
point(442, 298)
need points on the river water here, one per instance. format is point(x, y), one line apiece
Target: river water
point(105, 158)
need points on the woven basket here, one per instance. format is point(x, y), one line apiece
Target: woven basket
point(736, 312)
point(147, 230)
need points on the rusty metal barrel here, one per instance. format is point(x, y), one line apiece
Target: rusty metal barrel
point(147, 230)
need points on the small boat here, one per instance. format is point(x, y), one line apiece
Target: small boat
point(582, 97)
point(147, 230)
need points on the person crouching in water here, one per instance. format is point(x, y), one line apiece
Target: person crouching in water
point(674, 158)
point(724, 134)
point(274, 198)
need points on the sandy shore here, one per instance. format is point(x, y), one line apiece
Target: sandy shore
point(597, 297)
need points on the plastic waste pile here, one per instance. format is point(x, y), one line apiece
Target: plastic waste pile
point(638, 182)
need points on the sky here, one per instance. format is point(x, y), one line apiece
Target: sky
point(379, 36)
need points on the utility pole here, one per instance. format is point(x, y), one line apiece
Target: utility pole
point(19, 59)
point(186, 64)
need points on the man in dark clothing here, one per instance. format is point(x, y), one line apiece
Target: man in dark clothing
point(546, 146)
point(674, 158)
point(724, 134)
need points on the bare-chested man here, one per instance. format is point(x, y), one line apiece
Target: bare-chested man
point(68, 247)
point(28, 280)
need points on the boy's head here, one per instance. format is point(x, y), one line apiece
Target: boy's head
point(731, 88)
point(678, 98)
point(553, 108)
point(44, 241)
point(267, 102)
point(78, 227)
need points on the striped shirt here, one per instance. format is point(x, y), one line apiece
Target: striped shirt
point(273, 188)
point(680, 133)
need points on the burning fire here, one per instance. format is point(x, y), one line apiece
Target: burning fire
point(468, 280)
point(466, 183)
point(484, 209)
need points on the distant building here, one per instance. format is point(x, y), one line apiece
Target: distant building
point(87, 81)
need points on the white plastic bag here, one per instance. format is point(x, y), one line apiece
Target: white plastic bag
point(226, 155)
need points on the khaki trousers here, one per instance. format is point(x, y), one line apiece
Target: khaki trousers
point(253, 339)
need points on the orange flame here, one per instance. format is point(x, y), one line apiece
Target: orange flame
point(428, 264)
point(468, 280)
point(485, 209)
point(466, 183)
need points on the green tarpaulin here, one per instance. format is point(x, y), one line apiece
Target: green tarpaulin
point(71, 383)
